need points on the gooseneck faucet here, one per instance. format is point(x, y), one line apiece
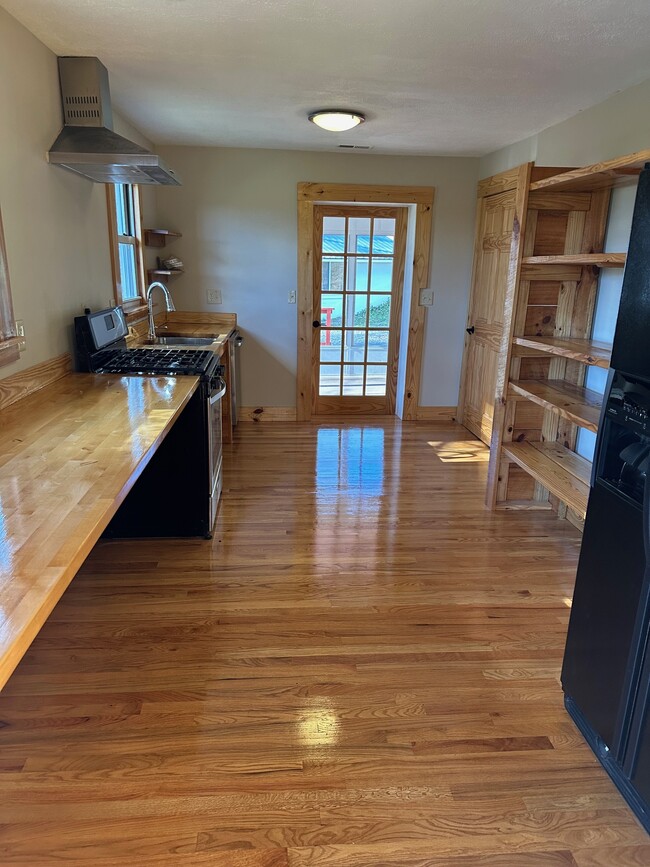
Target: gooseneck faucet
point(168, 302)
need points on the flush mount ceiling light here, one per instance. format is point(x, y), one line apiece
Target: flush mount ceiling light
point(336, 119)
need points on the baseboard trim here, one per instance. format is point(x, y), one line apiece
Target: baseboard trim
point(26, 382)
point(266, 413)
point(436, 413)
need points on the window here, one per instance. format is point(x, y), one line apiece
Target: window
point(125, 222)
point(8, 342)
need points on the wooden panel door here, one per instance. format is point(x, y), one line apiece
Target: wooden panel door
point(496, 213)
point(358, 282)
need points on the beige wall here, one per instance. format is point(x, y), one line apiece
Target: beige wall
point(55, 222)
point(237, 212)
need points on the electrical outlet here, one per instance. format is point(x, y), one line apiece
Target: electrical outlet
point(20, 332)
point(214, 296)
point(292, 296)
point(426, 297)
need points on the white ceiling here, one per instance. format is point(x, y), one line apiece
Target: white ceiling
point(433, 76)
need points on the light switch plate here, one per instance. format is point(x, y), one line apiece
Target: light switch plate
point(292, 296)
point(214, 296)
point(20, 332)
point(426, 297)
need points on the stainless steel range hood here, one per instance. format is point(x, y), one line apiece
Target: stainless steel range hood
point(87, 144)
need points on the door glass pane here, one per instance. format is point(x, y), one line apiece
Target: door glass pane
point(355, 347)
point(332, 274)
point(376, 380)
point(330, 380)
point(128, 271)
point(331, 310)
point(383, 239)
point(330, 346)
point(382, 275)
point(359, 235)
point(380, 311)
point(356, 311)
point(334, 235)
point(353, 379)
point(378, 346)
point(357, 274)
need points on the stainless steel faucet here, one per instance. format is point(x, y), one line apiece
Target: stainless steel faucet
point(168, 302)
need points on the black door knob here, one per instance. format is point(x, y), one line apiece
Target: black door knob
point(316, 323)
point(470, 330)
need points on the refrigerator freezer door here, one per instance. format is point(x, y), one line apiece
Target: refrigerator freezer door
point(632, 339)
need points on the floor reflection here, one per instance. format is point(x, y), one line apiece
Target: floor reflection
point(350, 471)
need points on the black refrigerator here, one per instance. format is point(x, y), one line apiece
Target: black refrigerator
point(606, 670)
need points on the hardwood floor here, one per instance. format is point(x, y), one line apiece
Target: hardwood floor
point(360, 670)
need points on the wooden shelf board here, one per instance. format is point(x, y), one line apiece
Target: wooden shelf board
point(600, 260)
point(560, 471)
point(158, 237)
point(611, 173)
point(159, 273)
point(573, 402)
point(593, 352)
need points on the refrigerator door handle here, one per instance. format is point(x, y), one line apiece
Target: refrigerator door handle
point(601, 428)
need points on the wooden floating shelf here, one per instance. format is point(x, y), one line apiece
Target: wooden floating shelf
point(600, 260)
point(593, 352)
point(611, 173)
point(574, 402)
point(561, 471)
point(158, 237)
point(156, 272)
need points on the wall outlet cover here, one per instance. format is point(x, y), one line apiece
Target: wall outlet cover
point(426, 297)
point(292, 296)
point(214, 296)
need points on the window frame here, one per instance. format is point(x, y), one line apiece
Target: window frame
point(9, 341)
point(131, 306)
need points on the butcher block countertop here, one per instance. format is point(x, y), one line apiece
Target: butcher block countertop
point(69, 455)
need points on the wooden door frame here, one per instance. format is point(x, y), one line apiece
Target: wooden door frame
point(310, 194)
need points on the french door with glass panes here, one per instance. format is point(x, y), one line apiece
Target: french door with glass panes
point(358, 280)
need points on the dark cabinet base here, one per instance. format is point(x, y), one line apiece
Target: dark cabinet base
point(638, 806)
point(172, 496)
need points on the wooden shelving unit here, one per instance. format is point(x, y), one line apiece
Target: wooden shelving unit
point(564, 473)
point(592, 352)
point(546, 347)
point(572, 402)
point(598, 260)
point(159, 238)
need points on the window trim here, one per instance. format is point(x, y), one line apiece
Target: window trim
point(9, 342)
point(131, 306)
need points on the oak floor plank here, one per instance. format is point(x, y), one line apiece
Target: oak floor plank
point(361, 669)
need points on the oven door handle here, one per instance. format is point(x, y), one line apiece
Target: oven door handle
point(220, 387)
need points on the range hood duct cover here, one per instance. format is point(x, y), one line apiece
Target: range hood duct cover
point(87, 144)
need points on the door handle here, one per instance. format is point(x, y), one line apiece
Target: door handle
point(470, 330)
point(316, 323)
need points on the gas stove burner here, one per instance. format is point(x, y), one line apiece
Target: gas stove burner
point(164, 362)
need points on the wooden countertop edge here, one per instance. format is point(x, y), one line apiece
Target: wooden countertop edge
point(11, 656)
